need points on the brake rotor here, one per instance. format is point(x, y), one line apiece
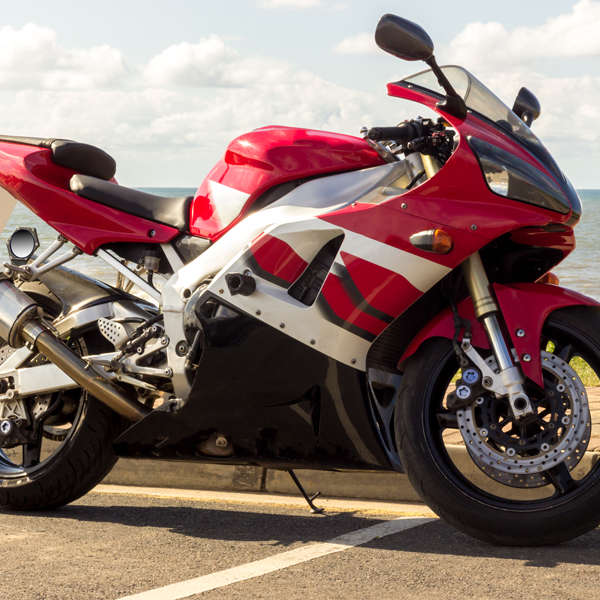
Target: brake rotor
point(518, 454)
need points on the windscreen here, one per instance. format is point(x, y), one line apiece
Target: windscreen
point(481, 100)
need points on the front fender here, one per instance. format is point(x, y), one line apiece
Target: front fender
point(524, 306)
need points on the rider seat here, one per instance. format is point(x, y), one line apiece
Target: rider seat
point(174, 212)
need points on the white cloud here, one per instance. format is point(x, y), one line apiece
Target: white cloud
point(491, 45)
point(209, 63)
point(32, 58)
point(362, 43)
point(287, 3)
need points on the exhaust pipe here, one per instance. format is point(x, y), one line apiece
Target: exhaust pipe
point(21, 322)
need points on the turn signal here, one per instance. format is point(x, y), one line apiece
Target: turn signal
point(550, 278)
point(434, 240)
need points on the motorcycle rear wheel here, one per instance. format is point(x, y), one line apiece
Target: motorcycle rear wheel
point(470, 500)
point(75, 452)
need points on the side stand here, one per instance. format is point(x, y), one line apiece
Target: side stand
point(313, 508)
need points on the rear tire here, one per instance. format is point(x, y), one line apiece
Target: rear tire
point(84, 454)
point(86, 458)
point(459, 498)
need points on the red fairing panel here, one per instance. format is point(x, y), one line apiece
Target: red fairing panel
point(29, 174)
point(277, 258)
point(524, 306)
point(458, 195)
point(266, 157)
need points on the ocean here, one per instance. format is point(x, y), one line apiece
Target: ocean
point(578, 272)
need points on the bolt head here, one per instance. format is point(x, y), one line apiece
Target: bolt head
point(473, 227)
point(404, 205)
point(258, 313)
point(520, 333)
point(282, 325)
point(151, 233)
point(312, 342)
point(5, 427)
point(353, 361)
point(221, 291)
point(470, 376)
point(487, 382)
point(526, 358)
point(463, 392)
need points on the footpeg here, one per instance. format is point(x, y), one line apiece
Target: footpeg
point(115, 333)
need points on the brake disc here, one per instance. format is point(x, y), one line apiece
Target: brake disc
point(518, 454)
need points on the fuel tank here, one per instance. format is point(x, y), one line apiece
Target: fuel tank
point(262, 166)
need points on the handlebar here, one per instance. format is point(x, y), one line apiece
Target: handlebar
point(404, 133)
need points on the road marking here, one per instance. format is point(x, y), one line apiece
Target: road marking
point(191, 587)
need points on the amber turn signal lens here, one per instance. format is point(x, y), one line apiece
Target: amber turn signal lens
point(433, 240)
point(550, 278)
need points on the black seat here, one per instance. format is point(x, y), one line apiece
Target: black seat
point(174, 212)
point(73, 155)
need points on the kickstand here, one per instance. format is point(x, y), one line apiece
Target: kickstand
point(313, 508)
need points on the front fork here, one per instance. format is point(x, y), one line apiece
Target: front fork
point(508, 379)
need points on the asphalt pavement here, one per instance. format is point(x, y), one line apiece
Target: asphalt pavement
point(117, 542)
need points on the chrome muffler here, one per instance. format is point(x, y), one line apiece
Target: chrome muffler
point(21, 323)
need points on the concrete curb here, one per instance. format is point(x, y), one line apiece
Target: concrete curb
point(393, 487)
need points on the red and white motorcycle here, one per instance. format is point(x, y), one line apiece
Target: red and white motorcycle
point(376, 304)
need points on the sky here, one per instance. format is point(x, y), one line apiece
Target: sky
point(164, 86)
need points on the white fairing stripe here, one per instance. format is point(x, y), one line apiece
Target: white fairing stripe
point(227, 201)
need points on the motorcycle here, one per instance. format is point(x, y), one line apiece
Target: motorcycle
point(375, 303)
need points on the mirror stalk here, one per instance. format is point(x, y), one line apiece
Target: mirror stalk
point(453, 104)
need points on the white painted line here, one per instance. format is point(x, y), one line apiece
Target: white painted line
point(278, 562)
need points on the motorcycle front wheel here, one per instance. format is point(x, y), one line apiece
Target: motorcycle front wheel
point(532, 483)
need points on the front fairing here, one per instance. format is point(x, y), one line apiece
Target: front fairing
point(523, 145)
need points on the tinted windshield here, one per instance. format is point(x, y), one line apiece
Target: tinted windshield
point(480, 99)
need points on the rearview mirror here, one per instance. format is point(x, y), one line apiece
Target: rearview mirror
point(527, 107)
point(403, 38)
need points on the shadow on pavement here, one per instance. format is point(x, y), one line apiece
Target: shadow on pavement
point(439, 538)
point(227, 524)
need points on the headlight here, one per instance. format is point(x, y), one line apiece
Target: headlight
point(509, 176)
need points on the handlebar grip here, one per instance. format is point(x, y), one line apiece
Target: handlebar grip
point(402, 134)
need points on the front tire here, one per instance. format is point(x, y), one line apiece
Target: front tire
point(561, 509)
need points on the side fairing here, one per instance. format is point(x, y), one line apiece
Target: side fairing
point(373, 275)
